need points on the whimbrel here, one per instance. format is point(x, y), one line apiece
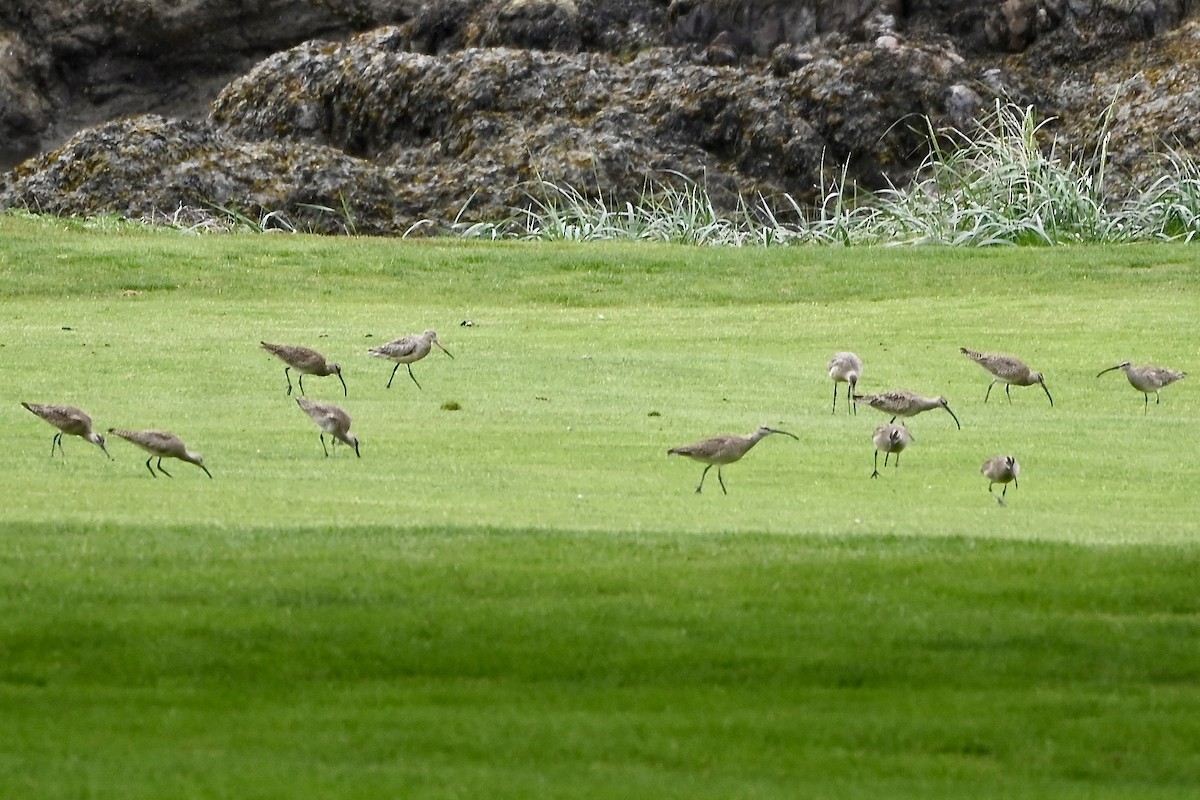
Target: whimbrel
point(890, 439)
point(845, 368)
point(305, 361)
point(1007, 370)
point(70, 420)
point(1147, 379)
point(160, 445)
point(722, 450)
point(902, 403)
point(1001, 469)
point(332, 420)
point(406, 350)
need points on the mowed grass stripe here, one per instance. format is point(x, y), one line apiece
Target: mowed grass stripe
point(491, 661)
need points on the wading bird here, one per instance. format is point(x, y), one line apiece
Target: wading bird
point(160, 445)
point(406, 350)
point(1147, 379)
point(332, 420)
point(1007, 370)
point(845, 368)
point(69, 420)
point(901, 403)
point(1001, 469)
point(890, 439)
point(306, 362)
point(722, 450)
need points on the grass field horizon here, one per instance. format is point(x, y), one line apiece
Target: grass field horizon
point(524, 596)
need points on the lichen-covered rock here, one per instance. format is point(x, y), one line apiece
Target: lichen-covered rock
point(148, 166)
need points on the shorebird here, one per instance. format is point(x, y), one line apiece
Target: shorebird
point(890, 439)
point(1007, 370)
point(722, 450)
point(160, 445)
point(1147, 379)
point(406, 350)
point(332, 420)
point(70, 420)
point(1001, 469)
point(845, 368)
point(305, 361)
point(901, 403)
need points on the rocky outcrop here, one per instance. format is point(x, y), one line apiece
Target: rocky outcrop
point(466, 104)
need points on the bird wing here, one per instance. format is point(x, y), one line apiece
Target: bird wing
point(397, 349)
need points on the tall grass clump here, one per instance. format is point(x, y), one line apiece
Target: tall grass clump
point(1004, 181)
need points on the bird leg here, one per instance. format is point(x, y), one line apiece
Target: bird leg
point(989, 391)
point(1008, 386)
point(835, 398)
point(323, 444)
point(875, 474)
point(163, 471)
point(57, 440)
point(702, 474)
point(1145, 405)
point(148, 460)
point(722, 482)
point(301, 383)
point(414, 377)
point(849, 400)
point(389, 383)
point(289, 379)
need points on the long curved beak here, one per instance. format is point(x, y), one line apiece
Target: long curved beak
point(345, 391)
point(951, 413)
point(443, 349)
point(1101, 372)
point(1047, 391)
point(785, 433)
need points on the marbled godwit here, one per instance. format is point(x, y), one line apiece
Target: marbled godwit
point(160, 445)
point(332, 420)
point(305, 361)
point(722, 450)
point(406, 350)
point(1007, 370)
point(1001, 469)
point(1147, 379)
point(70, 420)
point(901, 403)
point(890, 439)
point(845, 368)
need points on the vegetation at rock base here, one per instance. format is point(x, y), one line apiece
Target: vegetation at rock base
point(525, 597)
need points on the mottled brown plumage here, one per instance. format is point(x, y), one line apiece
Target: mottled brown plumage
point(845, 368)
point(306, 361)
point(903, 403)
point(722, 450)
point(1147, 379)
point(1007, 370)
point(68, 420)
point(890, 439)
point(332, 420)
point(1001, 469)
point(406, 350)
point(160, 445)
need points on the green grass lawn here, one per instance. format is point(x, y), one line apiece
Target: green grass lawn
point(524, 597)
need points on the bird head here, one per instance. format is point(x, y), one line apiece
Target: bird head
point(432, 336)
point(97, 439)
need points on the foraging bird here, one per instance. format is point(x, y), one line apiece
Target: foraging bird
point(1147, 379)
point(332, 420)
point(722, 450)
point(70, 420)
point(160, 445)
point(1001, 469)
point(305, 361)
point(845, 368)
point(1007, 370)
point(902, 403)
point(890, 439)
point(406, 350)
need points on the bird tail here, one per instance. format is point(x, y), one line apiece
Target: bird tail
point(974, 354)
point(677, 451)
point(28, 407)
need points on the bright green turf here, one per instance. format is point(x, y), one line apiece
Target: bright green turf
point(524, 597)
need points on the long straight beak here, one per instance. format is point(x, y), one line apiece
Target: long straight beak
point(443, 349)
